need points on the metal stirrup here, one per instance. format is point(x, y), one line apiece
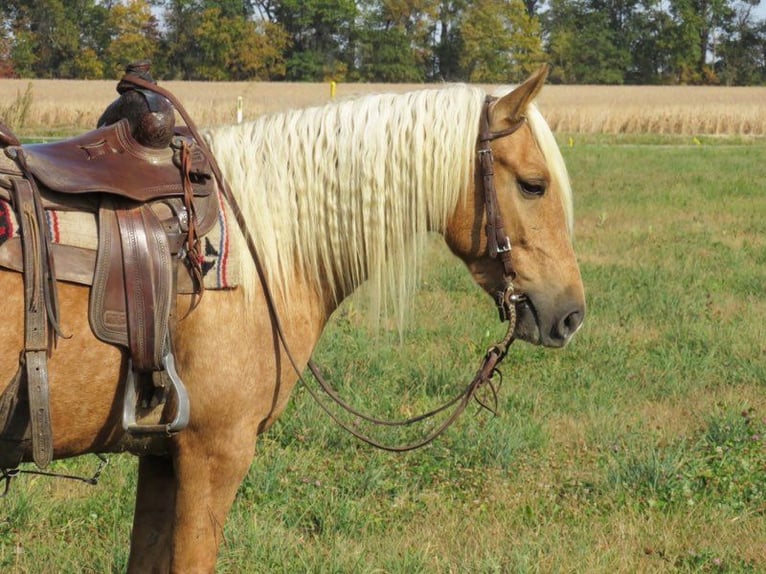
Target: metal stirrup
point(130, 402)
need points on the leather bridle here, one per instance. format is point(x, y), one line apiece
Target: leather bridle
point(498, 242)
point(499, 246)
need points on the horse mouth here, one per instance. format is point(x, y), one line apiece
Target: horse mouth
point(527, 322)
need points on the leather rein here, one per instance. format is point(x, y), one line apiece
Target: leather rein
point(499, 246)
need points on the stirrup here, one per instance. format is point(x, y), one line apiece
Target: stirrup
point(131, 402)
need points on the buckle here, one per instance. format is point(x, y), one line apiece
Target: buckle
point(506, 247)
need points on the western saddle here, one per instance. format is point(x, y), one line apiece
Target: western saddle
point(154, 189)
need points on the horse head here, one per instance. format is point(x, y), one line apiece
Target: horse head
point(531, 205)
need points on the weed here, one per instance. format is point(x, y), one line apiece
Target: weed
point(16, 114)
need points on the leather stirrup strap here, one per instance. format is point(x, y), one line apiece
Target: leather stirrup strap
point(47, 264)
point(148, 281)
point(35, 358)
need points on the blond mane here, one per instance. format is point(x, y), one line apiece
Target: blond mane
point(343, 193)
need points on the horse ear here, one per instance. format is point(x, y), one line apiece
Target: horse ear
point(512, 105)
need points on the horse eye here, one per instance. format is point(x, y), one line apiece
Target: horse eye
point(536, 188)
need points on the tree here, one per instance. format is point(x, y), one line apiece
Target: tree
point(55, 38)
point(133, 35)
point(261, 52)
point(177, 47)
point(587, 41)
point(6, 62)
point(699, 26)
point(319, 31)
point(651, 59)
point(583, 45)
point(236, 48)
point(742, 52)
point(45, 37)
point(386, 55)
point(449, 42)
point(501, 42)
point(394, 41)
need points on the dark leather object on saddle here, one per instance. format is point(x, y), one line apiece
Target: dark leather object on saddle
point(150, 115)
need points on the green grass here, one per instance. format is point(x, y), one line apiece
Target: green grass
point(638, 448)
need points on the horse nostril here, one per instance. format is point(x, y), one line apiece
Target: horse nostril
point(570, 323)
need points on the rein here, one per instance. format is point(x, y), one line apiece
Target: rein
point(499, 247)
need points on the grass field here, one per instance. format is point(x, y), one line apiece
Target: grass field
point(641, 447)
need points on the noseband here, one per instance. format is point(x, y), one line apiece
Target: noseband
point(498, 242)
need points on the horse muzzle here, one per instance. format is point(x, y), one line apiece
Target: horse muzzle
point(549, 324)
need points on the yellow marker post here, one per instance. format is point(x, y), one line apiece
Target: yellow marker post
point(239, 109)
point(332, 89)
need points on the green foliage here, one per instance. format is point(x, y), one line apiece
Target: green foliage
point(261, 52)
point(602, 41)
point(220, 41)
point(741, 62)
point(87, 65)
point(133, 36)
point(388, 58)
point(585, 46)
point(319, 32)
point(307, 65)
point(394, 41)
point(501, 42)
point(22, 54)
point(588, 41)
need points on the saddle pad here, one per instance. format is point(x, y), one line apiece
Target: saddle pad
point(75, 242)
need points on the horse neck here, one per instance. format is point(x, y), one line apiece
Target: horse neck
point(341, 195)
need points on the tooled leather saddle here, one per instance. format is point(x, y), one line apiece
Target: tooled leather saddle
point(151, 186)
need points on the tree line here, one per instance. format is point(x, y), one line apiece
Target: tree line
point(488, 41)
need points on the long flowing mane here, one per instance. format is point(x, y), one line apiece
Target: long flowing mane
point(343, 193)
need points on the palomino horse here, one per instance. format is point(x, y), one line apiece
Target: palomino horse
point(334, 197)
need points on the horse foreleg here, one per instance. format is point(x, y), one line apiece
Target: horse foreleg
point(154, 514)
point(208, 474)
